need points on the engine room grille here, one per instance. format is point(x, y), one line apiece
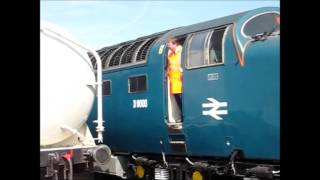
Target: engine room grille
point(115, 60)
point(128, 55)
point(93, 61)
point(105, 56)
point(141, 56)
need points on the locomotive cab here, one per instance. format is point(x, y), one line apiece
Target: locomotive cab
point(202, 51)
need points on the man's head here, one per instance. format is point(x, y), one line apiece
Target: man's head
point(173, 44)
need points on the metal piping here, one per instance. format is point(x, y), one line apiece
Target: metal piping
point(74, 131)
point(188, 160)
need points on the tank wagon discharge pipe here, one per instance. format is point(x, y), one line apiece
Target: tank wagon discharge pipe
point(99, 121)
point(68, 166)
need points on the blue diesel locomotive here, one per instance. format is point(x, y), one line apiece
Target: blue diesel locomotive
point(229, 123)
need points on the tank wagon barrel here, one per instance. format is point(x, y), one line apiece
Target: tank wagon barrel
point(69, 85)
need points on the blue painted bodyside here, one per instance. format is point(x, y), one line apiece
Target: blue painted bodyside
point(131, 129)
point(252, 93)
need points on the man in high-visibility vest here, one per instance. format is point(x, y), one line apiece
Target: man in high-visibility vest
point(174, 69)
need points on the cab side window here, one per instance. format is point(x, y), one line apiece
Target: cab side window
point(196, 46)
point(215, 46)
point(205, 48)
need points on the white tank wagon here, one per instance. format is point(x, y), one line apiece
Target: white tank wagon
point(69, 85)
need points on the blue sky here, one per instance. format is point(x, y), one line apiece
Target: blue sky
point(97, 24)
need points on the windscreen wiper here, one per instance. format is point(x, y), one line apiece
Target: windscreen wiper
point(263, 36)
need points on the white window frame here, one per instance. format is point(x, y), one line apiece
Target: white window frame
point(252, 17)
point(206, 47)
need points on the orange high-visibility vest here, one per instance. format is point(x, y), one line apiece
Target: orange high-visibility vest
point(175, 71)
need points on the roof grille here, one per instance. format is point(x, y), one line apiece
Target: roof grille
point(93, 61)
point(105, 56)
point(128, 54)
point(142, 54)
point(115, 60)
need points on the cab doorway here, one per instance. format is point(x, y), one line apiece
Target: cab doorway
point(175, 108)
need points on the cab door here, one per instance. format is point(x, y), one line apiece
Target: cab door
point(204, 94)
